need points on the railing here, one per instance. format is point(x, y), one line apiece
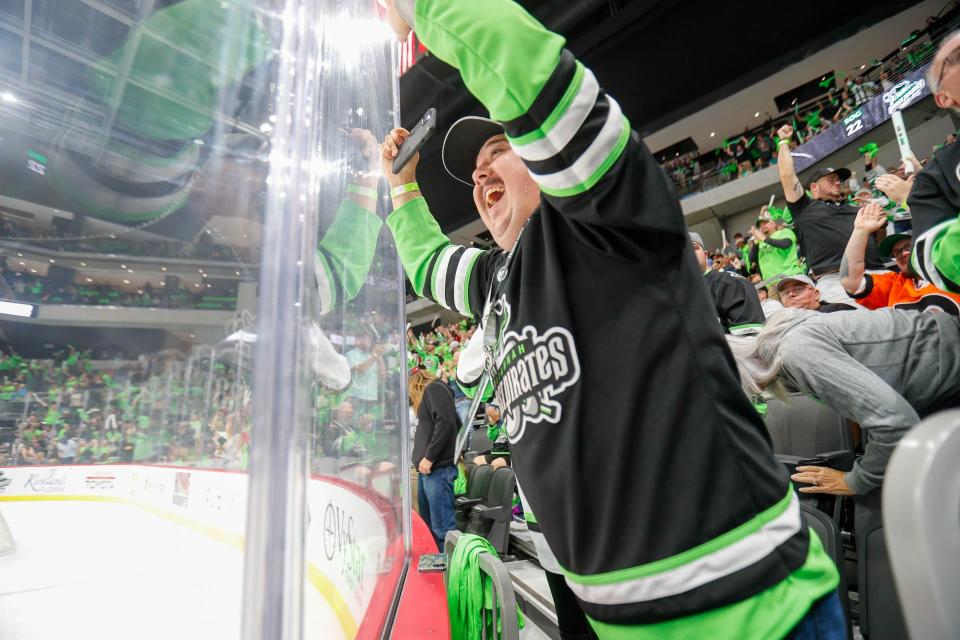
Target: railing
point(714, 170)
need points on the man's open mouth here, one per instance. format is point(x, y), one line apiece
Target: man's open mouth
point(493, 195)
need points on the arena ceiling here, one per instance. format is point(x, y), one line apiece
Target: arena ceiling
point(661, 60)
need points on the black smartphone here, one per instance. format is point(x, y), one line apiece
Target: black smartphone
point(417, 138)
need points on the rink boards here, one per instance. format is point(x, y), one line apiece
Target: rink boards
point(169, 532)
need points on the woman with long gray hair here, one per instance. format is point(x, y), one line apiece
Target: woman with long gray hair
point(883, 369)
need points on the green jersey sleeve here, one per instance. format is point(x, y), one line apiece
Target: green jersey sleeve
point(345, 253)
point(573, 137)
point(454, 277)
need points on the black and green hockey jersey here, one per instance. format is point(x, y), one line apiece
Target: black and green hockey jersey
point(935, 205)
point(650, 472)
point(735, 301)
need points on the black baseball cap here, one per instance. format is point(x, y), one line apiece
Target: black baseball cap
point(843, 174)
point(462, 144)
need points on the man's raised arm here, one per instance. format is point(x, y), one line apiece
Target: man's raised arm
point(792, 189)
point(869, 219)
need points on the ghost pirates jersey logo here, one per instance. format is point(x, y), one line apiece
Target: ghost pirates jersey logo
point(531, 371)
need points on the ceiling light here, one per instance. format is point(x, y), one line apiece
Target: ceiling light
point(200, 270)
point(237, 272)
point(126, 282)
point(209, 285)
point(163, 268)
point(33, 270)
point(863, 66)
point(197, 285)
point(163, 284)
point(52, 261)
point(192, 336)
point(9, 97)
point(129, 270)
point(19, 255)
point(123, 266)
point(266, 128)
point(22, 263)
point(756, 115)
point(83, 264)
point(713, 133)
point(140, 291)
point(89, 279)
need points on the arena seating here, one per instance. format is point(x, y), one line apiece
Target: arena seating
point(829, 534)
point(487, 508)
point(881, 616)
point(920, 499)
point(805, 428)
point(478, 481)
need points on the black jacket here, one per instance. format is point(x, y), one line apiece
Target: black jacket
point(436, 427)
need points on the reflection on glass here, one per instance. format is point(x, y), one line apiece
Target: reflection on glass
point(135, 168)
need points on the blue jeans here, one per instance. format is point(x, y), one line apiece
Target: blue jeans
point(435, 497)
point(824, 621)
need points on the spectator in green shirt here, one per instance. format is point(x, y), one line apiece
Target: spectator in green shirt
point(775, 248)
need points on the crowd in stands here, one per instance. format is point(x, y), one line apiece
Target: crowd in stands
point(72, 409)
point(203, 249)
point(756, 148)
point(31, 288)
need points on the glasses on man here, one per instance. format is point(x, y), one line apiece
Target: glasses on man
point(951, 59)
point(899, 251)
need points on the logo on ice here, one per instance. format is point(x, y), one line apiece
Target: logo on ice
point(49, 481)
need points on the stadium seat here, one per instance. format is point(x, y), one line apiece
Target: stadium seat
point(921, 494)
point(492, 518)
point(806, 428)
point(829, 535)
point(478, 483)
point(881, 617)
point(479, 441)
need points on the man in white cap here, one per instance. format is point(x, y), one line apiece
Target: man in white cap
point(659, 494)
point(799, 292)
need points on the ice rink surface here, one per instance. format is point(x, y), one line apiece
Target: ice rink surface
point(110, 571)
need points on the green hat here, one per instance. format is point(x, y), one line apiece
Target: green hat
point(886, 245)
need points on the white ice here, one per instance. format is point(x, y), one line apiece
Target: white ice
point(107, 571)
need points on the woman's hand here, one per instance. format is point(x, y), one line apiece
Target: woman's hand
point(822, 480)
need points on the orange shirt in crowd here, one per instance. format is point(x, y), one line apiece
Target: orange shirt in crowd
point(897, 290)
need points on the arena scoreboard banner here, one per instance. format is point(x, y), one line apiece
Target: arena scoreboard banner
point(868, 116)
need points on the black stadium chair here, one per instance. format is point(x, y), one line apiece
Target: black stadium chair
point(826, 529)
point(492, 518)
point(479, 441)
point(881, 616)
point(478, 483)
point(805, 428)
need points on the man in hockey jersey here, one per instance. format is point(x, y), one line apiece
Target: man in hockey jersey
point(685, 525)
point(736, 300)
point(934, 200)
